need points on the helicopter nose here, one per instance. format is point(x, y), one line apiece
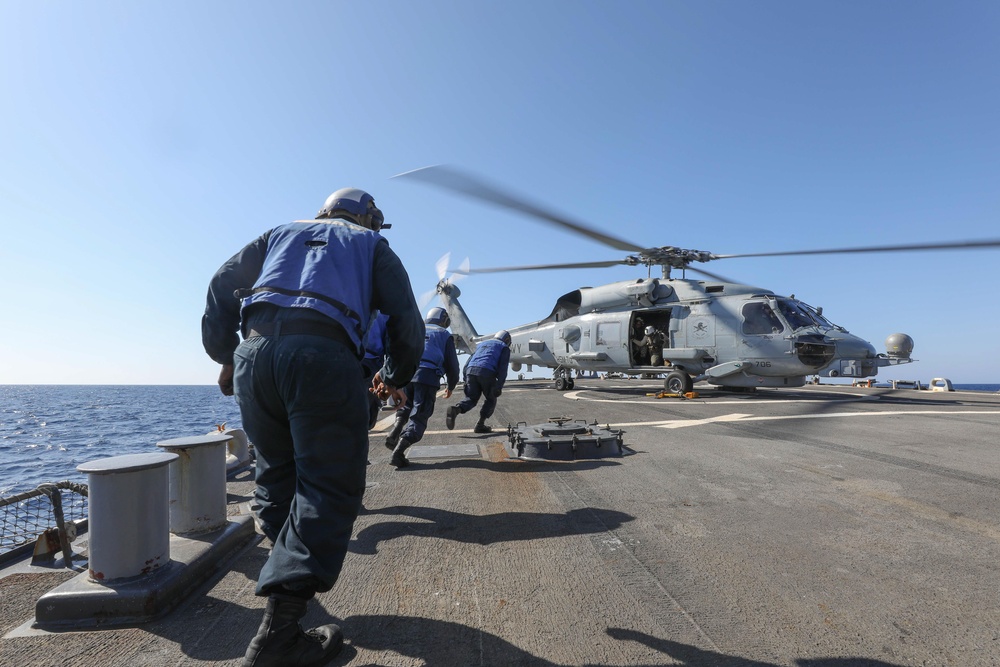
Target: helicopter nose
point(852, 347)
point(854, 358)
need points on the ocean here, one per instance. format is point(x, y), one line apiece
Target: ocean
point(46, 431)
point(994, 388)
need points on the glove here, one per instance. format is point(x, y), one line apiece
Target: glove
point(498, 392)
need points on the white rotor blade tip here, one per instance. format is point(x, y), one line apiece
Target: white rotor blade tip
point(425, 299)
point(441, 266)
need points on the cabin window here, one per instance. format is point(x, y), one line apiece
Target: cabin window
point(758, 318)
point(609, 333)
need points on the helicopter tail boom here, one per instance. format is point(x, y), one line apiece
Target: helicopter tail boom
point(462, 329)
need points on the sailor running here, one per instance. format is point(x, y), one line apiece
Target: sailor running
point(485, 374)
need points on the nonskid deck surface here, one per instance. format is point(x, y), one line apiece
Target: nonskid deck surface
point(826, 525)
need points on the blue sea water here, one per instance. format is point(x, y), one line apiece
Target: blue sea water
point(46, 431)
point(977, 387)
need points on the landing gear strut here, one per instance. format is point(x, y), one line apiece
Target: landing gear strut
point(563, 379)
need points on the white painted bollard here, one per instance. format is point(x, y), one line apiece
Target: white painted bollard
point(197, 482)
point(238, 448)
point(128, 516)
point(941, 384)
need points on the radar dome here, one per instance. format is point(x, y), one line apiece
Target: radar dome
point(899, 345)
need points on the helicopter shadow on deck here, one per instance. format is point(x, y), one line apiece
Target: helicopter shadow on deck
point(423, 639)
point(486, 529)
point(828, 398)
point(511, 465)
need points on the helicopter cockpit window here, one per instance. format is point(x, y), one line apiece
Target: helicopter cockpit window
point(820, 320)
point(758, 318)
point(796, 316)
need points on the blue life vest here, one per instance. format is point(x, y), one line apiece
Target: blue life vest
point(325, 266)
point(435, 339)
point(487, 355)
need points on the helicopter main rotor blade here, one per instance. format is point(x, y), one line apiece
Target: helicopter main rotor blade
point(957, 245)
point(536, 267)
point(465, 184)
point(709, 274)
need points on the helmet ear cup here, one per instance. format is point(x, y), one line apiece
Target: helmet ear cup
point(438, 317)
point(374, 220)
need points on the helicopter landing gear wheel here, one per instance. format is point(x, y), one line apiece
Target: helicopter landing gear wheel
point(563, 379)
point(678, 382)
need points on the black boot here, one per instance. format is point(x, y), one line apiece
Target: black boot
point(398, 458)
point(281, 642)
point(393, 438)
point(481, 427)
point(449, 418)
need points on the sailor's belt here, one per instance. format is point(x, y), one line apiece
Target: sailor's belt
point(301, 327)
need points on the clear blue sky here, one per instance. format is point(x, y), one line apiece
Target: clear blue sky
point(142, 144)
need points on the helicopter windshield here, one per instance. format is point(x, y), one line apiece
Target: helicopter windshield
point(822, 321)
point(796, 315)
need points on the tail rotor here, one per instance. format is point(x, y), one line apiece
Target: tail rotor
point(445, 279)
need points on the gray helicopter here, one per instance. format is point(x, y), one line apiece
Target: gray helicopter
point(727, 334)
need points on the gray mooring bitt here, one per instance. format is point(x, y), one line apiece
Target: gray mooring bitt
point(197, 482)
point(128, 515)
point(158, 528)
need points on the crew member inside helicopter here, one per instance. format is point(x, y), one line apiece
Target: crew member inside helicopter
point(758, 318)
point(649, 349)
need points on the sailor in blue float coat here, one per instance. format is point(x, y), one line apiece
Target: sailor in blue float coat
point(302, 294)
point(486, 372)
point(439, 360)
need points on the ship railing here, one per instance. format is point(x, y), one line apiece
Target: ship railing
point(43, 520)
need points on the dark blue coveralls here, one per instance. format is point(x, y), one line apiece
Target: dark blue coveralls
point(297, 380)
point(439, 360)
point(486, 372)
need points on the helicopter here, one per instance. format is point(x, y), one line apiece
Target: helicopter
point(734, 336)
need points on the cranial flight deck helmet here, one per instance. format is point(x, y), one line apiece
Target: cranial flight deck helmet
point(650, 330)
point(355, 205)
point(503, 335)
point(438, 316)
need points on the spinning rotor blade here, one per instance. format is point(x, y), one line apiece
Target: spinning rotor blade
point(441, 266)
point(577, 265)
point(708, 274)
point(536, 267)
point(462, 183)
point(425, 299)
point(958, 245)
